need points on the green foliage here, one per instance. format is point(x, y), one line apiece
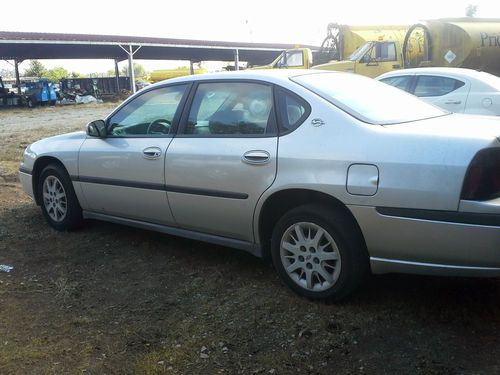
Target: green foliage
point(7, 73)
point(75, 75)
point(35, 69)
point(139, 71)
point(56, 74)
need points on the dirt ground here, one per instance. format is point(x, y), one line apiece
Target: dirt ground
point(109, 299)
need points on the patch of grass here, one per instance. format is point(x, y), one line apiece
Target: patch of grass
point(65, 289)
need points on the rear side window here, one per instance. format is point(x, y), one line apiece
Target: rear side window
point(293, 111)
point(401, 82)
point(436, 86)
point(231, 108)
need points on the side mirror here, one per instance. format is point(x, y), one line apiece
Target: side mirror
point(97, 129)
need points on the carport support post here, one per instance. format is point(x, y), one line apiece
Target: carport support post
point(131, 69)
point(236, 60)
point(191, 67)
point(117, 76)
point(18, 80)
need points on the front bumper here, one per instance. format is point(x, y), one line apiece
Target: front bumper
point(430, 245)
point(26, 180)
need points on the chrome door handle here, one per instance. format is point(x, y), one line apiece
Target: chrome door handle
point(151, 153)
point(453, 102)
point(256, 157)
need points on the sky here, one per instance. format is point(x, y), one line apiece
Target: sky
point(265, 21)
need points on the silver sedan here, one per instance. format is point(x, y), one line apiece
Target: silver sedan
point(331, 175)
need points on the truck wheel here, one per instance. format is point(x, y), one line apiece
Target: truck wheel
point(319, 252)
point(59, 204)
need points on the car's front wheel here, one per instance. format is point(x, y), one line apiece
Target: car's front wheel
point(59, 204)
point(319, 253)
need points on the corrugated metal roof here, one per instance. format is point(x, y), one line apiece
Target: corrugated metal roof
point(30, 45)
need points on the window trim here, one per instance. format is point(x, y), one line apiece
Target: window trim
point(175, 120)
point(302, 119)
point(273, 126)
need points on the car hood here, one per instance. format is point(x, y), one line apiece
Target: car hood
point(467, 127)
point(58, 142)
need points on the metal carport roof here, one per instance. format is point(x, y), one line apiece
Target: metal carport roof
point(26, 45)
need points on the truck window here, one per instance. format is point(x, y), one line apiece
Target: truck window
point(291, 59)
point(436, 86)
point(380, 51)
point(386, 51)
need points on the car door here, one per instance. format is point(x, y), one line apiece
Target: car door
point(123, 173)
point(223, 158)
point(445, 92)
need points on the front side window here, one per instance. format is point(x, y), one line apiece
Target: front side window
point(150, 114)
point(380, 51)
point(401, 82)
point(386, 51)
point(436, 86)
point(291, 59)
point(231, 108)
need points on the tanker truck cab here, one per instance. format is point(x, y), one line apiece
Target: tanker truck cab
point(371, 59)
point(296, 58)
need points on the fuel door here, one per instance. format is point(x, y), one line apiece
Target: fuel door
point(362, 179)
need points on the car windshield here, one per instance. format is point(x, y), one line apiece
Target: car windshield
point(366, 99)
point(360, 52)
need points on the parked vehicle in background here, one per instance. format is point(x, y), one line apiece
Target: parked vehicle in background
point(40, 92)
point(329, 174)
point(8, 98)
point(341, 41)
point(450, 42)
point(454, 89)
point(162, 74)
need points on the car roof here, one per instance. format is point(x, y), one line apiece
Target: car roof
point(271, 75)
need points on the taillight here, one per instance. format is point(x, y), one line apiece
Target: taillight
point(482, 180)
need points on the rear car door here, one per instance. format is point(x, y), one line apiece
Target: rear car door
point(123, 173)
point(223, 158)
point(445, 92)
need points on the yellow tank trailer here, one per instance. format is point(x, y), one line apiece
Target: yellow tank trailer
point(462, 42)
point(160, 75)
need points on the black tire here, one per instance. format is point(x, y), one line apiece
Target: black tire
point(347, 242)
point(58, 176)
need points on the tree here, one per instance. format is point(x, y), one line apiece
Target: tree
point(56, 74)
point(139, 71)
point(7, 73)
point(471, 10)
point(36, 69)
point(75, 75)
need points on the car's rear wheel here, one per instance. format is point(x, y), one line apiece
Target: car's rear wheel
point(319, 252)
point(59, 204)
